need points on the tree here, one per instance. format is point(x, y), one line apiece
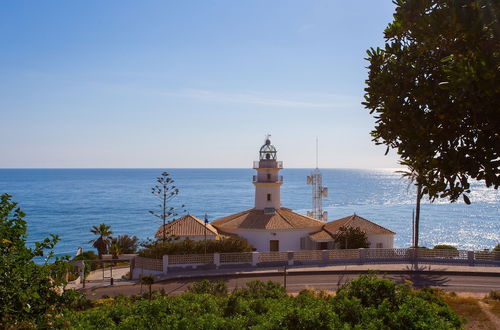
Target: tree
point(28, 291)
point(165, 190)
point(433, 90)
point(351, 238)
point(415, 176)
point(149, 281)
point(127, 244)
point(115, 250)
point(102, 242)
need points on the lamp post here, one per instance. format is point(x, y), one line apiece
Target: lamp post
point(206, 221)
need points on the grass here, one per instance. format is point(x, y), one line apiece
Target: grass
point(473, 309)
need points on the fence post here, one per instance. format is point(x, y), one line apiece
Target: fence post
point(255, 258)
point(290, 258)
point(362, 255)
point(470, 257)
point(325, 255)
point(217, 260)
point(165, 264)
point(81, 268)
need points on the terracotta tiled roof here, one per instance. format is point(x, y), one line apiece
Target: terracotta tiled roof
point(188, 225)
point(321, 236)
point(356, 221)
point(282, 218)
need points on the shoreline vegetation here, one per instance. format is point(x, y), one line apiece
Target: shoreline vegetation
point(365, 303)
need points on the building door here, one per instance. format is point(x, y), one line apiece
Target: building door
point(274, 245)
point(323, 246)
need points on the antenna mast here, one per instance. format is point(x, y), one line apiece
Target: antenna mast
point(318, 192)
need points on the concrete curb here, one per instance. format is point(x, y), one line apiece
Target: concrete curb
point(329, 272)
point(277, 271)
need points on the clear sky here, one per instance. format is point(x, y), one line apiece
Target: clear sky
point(169, 84)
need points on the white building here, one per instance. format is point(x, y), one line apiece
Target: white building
point(270, 227)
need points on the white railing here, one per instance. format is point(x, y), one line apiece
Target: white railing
point(168, 263)
point(267, 164)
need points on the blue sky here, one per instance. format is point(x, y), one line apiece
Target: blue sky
point(187, 83)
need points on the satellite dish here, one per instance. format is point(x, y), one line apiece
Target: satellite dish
point(325, 192)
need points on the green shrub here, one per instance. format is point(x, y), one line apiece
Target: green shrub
point(365, 303)
point(225, 245)
point(218, 288)
point(258, 289)
point(444, 247)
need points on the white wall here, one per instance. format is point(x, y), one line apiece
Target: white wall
point(386, 240)
point(289, 239)
point(261, 191)
point(139, 271)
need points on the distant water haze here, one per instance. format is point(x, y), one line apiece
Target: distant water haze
point(68, 202)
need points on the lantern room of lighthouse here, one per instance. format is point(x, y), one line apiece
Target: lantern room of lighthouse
point(267, 181)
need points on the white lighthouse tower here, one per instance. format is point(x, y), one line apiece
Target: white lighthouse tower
point(267, 181)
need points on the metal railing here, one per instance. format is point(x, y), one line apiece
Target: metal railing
point(267, 164)
point(278, 180)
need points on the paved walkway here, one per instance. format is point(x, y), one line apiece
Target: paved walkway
point(346, 269)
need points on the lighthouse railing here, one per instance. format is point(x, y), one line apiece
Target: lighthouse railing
point(267, 164)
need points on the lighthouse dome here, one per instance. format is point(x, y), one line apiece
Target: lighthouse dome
point(267, 151)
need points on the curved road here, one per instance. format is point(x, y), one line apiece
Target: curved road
point(321, 281)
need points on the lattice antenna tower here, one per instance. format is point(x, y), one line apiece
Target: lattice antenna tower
point(318, 192)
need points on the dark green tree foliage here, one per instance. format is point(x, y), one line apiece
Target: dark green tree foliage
point(444, 247)
point(187, 246)
point(351, 238)
point(434, 91)
point(217, 288)
point(127, 244)
point(165, 191)
point(28, 291)
point(365, 303)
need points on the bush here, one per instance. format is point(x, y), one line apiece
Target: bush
point(29, 291)
point(258, 289)
point(444, 247)
point(218, 288)
point(225, 245)
point(364, 303)
point(494, 295)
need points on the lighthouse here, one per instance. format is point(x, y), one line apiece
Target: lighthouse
point(267, 181)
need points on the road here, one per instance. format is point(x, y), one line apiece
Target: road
point(323, 281)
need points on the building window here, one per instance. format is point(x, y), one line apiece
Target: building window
point(380, 245)
point(302, 243)
point(274, 245)
point(269, 176)
point(268, 197)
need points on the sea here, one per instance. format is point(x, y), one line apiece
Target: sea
point(68, 202)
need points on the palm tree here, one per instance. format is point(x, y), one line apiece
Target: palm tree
point(148, 280)
point(103, 242)
point(127, 244)
point(414, 176)
point(115, 250)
